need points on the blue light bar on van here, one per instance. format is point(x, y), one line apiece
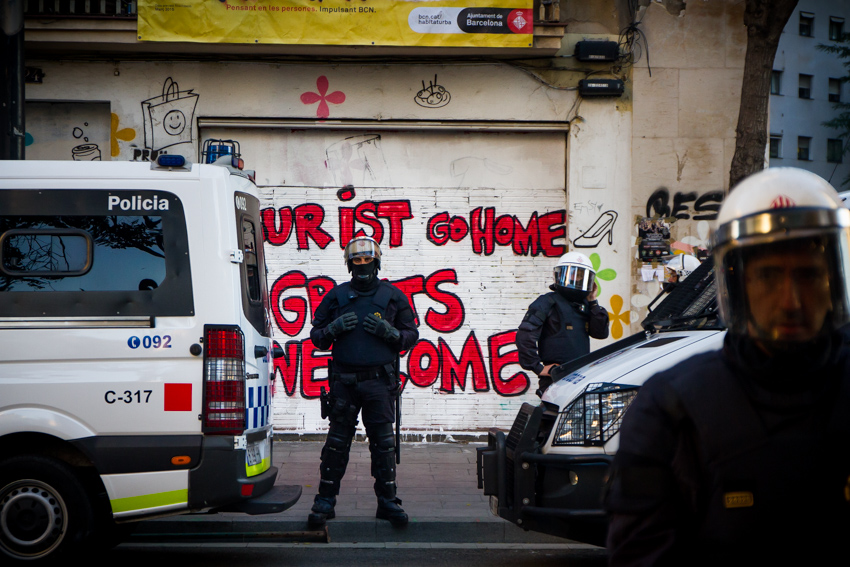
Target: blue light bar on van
point(170, 160)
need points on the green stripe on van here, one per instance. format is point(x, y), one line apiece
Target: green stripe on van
point(150, 501)
point(262, 466)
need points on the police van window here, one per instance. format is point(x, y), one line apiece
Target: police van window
point(249, 248)
point(81, 253)
point(45, 252)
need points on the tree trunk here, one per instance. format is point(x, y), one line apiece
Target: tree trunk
point(765, 20)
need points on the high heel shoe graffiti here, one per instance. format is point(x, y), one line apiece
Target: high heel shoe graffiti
point(604, 226)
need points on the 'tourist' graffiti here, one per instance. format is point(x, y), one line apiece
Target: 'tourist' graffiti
point(485, 230)
point(294, 295)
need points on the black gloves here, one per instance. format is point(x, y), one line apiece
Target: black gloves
point(380, 328)
point(342, 324)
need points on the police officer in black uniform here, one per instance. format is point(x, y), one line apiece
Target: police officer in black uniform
point(558, 325)
point(742, 456)
point(368, 322)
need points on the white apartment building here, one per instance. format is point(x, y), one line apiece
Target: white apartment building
point(804, 86)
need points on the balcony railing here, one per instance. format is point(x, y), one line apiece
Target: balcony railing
point(544, 10)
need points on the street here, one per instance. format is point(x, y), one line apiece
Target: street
point(346, 554)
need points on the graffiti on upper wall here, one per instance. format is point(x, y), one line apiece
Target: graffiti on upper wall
point(470, 170)
point(168, 120)
point(116, 134)
point(87, 151)
point(357, 160)
point(683, 205)
point(432, 96)
point(601, 229)
point(323, 97)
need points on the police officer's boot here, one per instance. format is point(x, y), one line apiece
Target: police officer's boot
point(334, 461)
point(382, 448)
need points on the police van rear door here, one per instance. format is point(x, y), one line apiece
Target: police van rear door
point(257, 330)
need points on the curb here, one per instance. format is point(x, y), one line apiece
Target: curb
point(338, 530)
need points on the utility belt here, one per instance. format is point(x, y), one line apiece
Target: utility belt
point(351, 378)
point(387, 371)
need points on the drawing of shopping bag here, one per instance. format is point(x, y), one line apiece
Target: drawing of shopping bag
point(169, 117)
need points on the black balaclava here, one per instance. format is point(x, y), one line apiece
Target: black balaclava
point(364, 277)
point(570, 294)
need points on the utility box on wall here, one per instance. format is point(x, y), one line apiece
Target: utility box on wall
point(600, 87)
point(597, 51)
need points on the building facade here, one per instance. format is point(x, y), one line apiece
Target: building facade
point(805, 84)
point(476, 168)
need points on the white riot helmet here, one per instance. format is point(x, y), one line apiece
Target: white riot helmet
point(781, 253)
point(363, 275)
point(362, 246)
point(574, 274)
point(682, 265)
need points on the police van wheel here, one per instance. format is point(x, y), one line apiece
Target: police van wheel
point(44, 510)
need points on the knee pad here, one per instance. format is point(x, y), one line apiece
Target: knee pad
point(382, 449)
point(335, 452)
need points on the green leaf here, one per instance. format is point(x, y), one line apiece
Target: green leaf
point(596, 261)
point(606, 274)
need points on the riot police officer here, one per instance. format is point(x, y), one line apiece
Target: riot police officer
point(368, 322)
point(558, 325)
point(744, 453)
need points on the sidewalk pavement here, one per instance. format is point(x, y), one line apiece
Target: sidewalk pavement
point(436, 481)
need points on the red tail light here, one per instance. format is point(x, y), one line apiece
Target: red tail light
point(224, 380)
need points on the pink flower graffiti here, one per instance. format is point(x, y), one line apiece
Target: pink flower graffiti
point(336, 97)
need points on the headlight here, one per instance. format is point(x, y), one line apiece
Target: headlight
point(595, 415)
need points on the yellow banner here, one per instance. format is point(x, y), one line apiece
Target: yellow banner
point(459, 23)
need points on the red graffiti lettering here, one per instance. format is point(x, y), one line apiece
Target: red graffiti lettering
point(441, 228)
point(311, 386)
point(516, 384)
point(540, 235)
point(410, 287)
point(395, 212)
point(287, 365)
point(438, 228)
point(483, 238)
point(552, 227)
point(274, 235)
point(292, 304)
point(504, 230)
point(308, 224)
point(423, 364)
point(365, 213)
point(454, 371)
point(316, 289)
point(486, 230)
point(452, 319)
point(369, 213)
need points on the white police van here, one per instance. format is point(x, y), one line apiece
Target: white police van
point(135, 351)
point(548, 472)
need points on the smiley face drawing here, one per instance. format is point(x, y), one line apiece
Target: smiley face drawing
point(174, 122)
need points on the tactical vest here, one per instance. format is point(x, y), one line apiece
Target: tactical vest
point(570, 340)
point(357, 347)
point(768, 482)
